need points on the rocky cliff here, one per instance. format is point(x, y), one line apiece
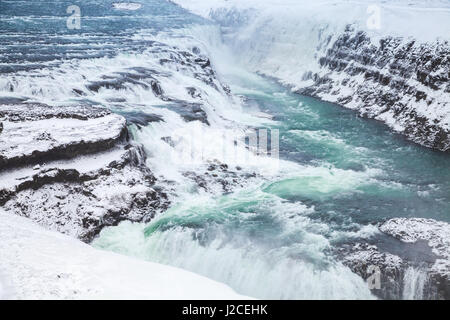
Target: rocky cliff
point(399, 81)
point(411, 255)
point(73, 169)
point(397, 72)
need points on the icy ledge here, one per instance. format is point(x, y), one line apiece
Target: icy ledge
point(41, 264)
point(31, 133)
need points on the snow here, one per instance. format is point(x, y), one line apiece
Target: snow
point(2, 291)
point(10, 179)
point(436, 233)
point(364, 254)
point(41, 264)
point(20, 139)
point(103, 188)
point(422, 19)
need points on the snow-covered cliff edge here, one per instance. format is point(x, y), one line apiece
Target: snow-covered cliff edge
point(401, 82)
point(41, 264)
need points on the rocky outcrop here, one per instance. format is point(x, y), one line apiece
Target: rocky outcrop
point(412, 255)
point(399, 81)
point(36, 133)
point(73, 169)
point(219, 178)
point(365, 259)
point(437, 235)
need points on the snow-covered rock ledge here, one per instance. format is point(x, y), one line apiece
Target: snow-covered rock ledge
point(36, 133)
point(73, 169)
point(402, 82)
point(40, 264)
point(412, 254)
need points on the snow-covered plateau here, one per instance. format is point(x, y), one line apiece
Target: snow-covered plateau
point(40, 264)
point(387, 60)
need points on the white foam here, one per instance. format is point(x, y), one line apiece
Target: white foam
point(295, 271)
point(132, 6)
point(2, 292)
point(414, 283)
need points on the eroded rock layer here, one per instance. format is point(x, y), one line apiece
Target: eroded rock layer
point(73, 169)
point(399, 81)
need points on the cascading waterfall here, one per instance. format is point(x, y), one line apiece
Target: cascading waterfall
point(414, 283)
point(259, 254)
point(273, 234)
point(265, 242)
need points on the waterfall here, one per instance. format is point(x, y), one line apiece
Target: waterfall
point(414, 283)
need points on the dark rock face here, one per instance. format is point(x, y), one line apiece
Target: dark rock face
point(188, 111)
point(402, 82)
point(413, 257)
point(437, 235)
point(73, 169)
point(360, 257)
point(220, 178)
point(141, 119)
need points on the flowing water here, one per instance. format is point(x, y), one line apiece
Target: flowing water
point(273, 240)
point(339, 174)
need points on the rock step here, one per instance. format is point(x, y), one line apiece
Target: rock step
point(73, 169)
point(34, 134)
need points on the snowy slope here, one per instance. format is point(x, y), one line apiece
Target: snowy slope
point(40, 264)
